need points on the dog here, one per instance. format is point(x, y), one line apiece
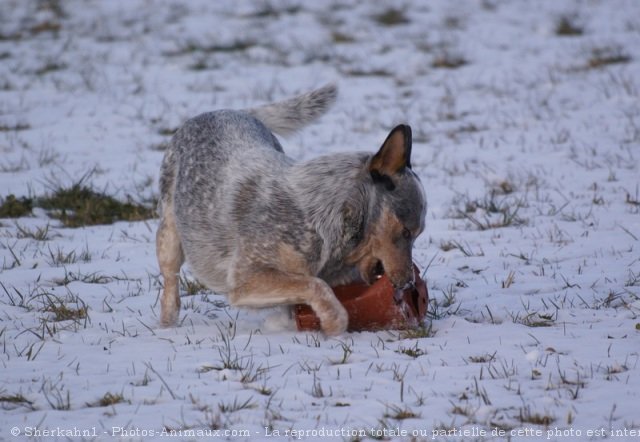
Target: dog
point(267, 231)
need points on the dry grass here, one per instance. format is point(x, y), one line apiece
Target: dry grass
point(568, 26)
point(448, 60)
point(607, 55)
point(80, 205)
point(490, 212)
point(391, 17)
point(12, 207)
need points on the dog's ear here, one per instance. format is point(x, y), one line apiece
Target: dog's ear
point(394, 155)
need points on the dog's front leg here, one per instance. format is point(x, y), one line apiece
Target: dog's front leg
point(170, 258)
point(270, 287)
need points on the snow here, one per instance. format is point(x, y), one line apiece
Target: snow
point(534, 332)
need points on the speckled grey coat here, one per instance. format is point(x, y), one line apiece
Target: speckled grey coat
point(255, 225)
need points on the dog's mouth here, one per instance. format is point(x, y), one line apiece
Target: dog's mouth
point(376, 272)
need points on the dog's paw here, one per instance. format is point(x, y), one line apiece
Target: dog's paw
point(169, 307)
point(169, 317)
point(335, 323)
point(168, 320)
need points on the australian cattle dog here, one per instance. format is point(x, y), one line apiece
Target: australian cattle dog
point(266, 230)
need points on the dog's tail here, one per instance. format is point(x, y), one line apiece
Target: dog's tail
point(288, 116)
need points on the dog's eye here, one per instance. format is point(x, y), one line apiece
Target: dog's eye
point(406, 233)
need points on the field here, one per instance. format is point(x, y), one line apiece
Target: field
point(526, 123)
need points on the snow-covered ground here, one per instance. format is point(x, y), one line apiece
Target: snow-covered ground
point(527, 141)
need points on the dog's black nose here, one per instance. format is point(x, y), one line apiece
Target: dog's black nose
point(403, 280)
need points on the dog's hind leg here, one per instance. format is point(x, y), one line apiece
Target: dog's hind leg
point(270, 287)
point(170, 259)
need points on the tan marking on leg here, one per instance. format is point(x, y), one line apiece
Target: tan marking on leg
point(170, 259)
point(291, 261)
point(270, 287)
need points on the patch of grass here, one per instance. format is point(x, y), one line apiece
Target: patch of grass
point(367, 73)
point(12, 401)
point(568, 26)
point(108, 400)
point(231, 360)
point(442, 308)
point(481, 359)
point(615, 369)
point(464, 129)
point(237, 46)
point(465, 410)
point(400, 413)
point(633, 280)
point(80, 205)
point(46, 26)
point(159, 147)
point(234, 406)
point(316, 389)
point(489, 212)
point(57, 397)
point(464, 248)
point(414, 352)
point(534, 319)
point(607, 55)
point(263, 389)
point(14, 127)
point(51, 66)
point(192, 48)
point(200, 65)
point(208, 368)
point(526, 416)
point(453, 22)
point(418, 332)
point(167, 131)
point(47, 157)
point(448, 246)
point(632, 201)
point(391, 17)
point(60, 258)
point(16, 298)
point(447, 60)
point(342, 38)
point(10, 37)
point(63, 312)
point(39, 234)
point(89, 278)
point(270, 11)
point(504, 187)
point(191, 287)
point(510, 280)
point(13, 207)
point(347, 350)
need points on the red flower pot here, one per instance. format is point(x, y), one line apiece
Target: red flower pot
point(375, 307)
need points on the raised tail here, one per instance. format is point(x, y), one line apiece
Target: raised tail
point(289, 116)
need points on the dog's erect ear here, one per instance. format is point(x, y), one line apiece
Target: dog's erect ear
point(395, 153)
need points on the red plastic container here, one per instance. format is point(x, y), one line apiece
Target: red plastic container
point(375, 307)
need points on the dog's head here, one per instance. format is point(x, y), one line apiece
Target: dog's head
point(396, 213)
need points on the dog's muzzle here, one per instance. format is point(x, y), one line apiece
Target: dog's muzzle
point(406, 283)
